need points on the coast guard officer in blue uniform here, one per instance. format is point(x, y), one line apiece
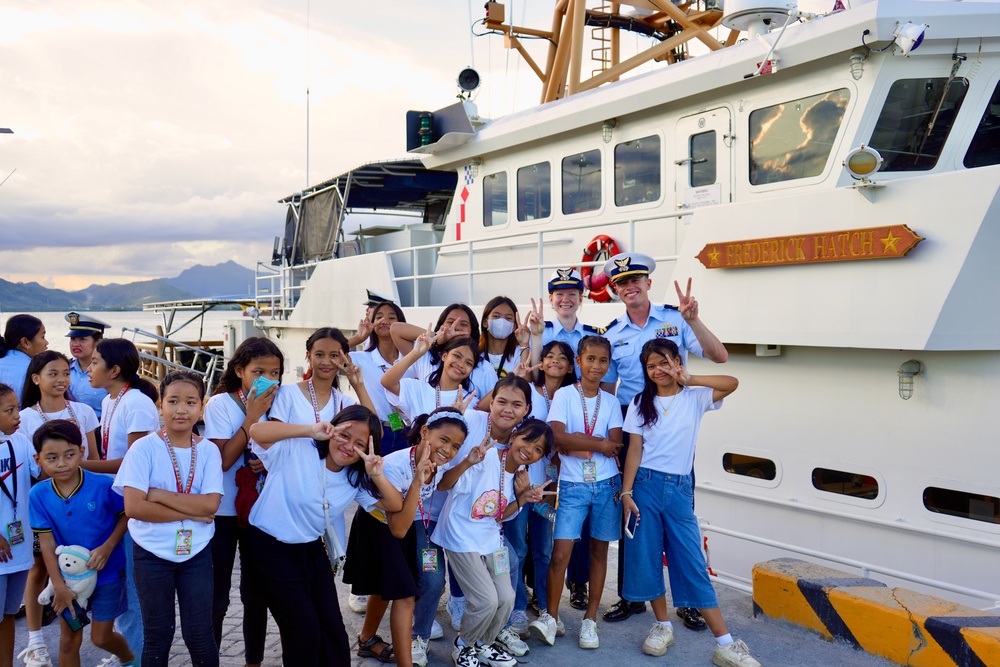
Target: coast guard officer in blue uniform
point(565, 297)
point(643, 321)
point(84, 333)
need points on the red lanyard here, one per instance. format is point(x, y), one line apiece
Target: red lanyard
point(243, 397)
point(106, 427)
point(177, 469)
point(45, 417)
point(420, 499)
point(312, 397)
point(502, 502)
point(589, 425)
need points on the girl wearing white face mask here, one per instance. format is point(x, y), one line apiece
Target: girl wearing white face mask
point(504, 340)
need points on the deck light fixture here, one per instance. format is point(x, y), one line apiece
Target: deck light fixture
point(857, 66)
point(474, 167)
point(862, 162)
point(468, 81)
point(906, 373)
point(607, 130)
point(909, 36)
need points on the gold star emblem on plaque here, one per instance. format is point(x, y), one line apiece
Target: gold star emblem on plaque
point(889, 242)
point(713, 255)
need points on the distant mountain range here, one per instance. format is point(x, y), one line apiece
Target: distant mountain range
point(227, 279)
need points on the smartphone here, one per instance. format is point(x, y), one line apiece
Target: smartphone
point(630, 524)
point(76, 624)
point(262, 384)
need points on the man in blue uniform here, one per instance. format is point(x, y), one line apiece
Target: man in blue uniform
point(629, 275)
point(84, 333)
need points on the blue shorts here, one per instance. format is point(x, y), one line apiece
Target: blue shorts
point(598, 500)
point(109, 600)
point(12, 590)
point(668, 526)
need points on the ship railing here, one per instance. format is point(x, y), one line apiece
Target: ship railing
point(277, 290)
point(159, 354)
point(524, 239)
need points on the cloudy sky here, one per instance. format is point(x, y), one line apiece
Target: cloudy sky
point(152, 136)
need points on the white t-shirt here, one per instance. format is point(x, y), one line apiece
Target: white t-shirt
point(483, 376)
point(373, 366)
point(146, 466)
point(468, 521)
point(293, 407)
point(25, 468)
point(567, 410)
point(416, 398)
point(399, 471)
point(135, 413)
point(86, 419)
point(668, 445)
point(223, 418)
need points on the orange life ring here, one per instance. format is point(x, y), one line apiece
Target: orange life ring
point(601, 246)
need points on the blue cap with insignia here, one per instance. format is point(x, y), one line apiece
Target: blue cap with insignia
point(565, 279)
point(627, 264)
point(81, 325)
point(375, 299)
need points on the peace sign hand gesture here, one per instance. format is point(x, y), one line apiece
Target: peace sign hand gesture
point(523, 370)
point(373, 462)
point(461, 404)
point(347, 367)
point(678, 372)
point(327, 431)
point(425, 341)
point(688, 304)
point(425, 469)
point(365, 328)
point(536, 321)
point(538, 493)
point(521, 333)
point(478, 453)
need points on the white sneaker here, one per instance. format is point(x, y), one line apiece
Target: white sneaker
point(358, 603)
point(734, 655)
point(464, 656)
point(519, 623)
point(36, 656)
point(456, 609)
point(544, 628)
point(418, 651)
point(658, 639)
point(113, 661)
point(512, 642)
point(588, 634)
point(560, 628)
point(496, 656)
point(437, 632)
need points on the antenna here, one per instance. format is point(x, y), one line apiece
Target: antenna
point(8, 176)
point(308, 80)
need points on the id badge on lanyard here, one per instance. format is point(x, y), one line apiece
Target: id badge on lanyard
point(184, 540)
point(15, 530)
point(501, 562)
point(589, 471)
point(429, 560)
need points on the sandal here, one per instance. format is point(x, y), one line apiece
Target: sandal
point(367, 650)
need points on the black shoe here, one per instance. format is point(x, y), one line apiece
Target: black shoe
point(692, 618)
point(21, 613)
point(578, 598)
point(623, 609)
point(48, 615)
point(533, 606)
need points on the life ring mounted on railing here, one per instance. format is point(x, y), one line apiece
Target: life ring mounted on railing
point(598, 287)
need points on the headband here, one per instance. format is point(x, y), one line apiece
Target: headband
point(446, 414)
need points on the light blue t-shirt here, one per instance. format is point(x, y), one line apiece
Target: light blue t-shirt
point(79, 387)
point(13, 370)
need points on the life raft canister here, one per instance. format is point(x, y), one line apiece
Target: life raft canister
point(597, 284)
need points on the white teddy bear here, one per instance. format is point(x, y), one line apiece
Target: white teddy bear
point(73, 565)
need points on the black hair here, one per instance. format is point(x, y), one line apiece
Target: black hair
point(517, 383)
point(434, 379)
point(250, 349)
point(454, 419)
point(437, 349)
point(570, 377)
point(329, 332)
point(123, 354)
point(648, 413)
point(18, 327)
point(356, 474)
point(57, 429)
point(400, 317)
point(6, 389)
point(190, 377)
point(484, 340)
point(594, 341)
point(532, 429)
point(32, 393)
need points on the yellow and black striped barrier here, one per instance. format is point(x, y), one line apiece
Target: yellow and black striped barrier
point(901, 625)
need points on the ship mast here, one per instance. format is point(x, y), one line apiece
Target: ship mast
point(670, 27)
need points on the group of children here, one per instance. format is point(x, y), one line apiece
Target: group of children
point(471, 449)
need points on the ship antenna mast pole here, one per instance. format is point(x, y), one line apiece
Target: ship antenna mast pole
point(308, 78)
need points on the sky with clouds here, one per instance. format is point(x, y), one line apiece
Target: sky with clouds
point(149, 137)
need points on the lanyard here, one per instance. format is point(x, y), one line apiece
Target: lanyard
point(177, 470)
point(243, 398)
point(45, 417)
point(545, 395)
point(502, 502)
point(312, 397)
point(106, 427)
point(426, 520)
point(13, 475)
point(589, 425)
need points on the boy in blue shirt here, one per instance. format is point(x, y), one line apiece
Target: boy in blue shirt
point(78, 507)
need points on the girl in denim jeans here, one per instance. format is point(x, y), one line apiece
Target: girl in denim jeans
point(662, 423)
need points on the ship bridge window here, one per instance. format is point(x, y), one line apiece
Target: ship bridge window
point(703, 159)
point(845, 483)
point(495, 199)
point(637, 171)
point(581, 182)
point(975, 506)
point(794, 139)
point(985, 147)
point(534, 191)
point(749, 466)
point(915, 121)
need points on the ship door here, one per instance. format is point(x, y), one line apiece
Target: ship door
point(703, 165)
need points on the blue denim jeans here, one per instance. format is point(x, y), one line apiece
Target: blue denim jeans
point(540, 539)
point(129, 624)
point(158, 581)
point(598, 501)
point(430, 585)
point(515, 532)
point(668, 525)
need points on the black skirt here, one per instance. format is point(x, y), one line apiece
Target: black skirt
point(378, 563)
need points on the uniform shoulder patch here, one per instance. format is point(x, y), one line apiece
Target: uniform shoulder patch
point(669, 307)
point(548, 324)
point(599, 331)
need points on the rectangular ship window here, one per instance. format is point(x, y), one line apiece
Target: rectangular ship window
point(637, 171)
point(495, 199)
point(845, 483)
point(749, 466)
point(975, 506)
point(985, 147)
point(581, 182)
point(534, 191)
point(703, 159)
